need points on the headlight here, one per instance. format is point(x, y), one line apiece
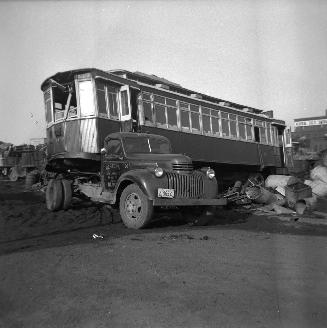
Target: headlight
point(158, 172)
point(210, 173)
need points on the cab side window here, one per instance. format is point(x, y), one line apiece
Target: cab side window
point(114, 147)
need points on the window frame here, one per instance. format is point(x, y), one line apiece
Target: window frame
point(79, 81)
point(50, 101)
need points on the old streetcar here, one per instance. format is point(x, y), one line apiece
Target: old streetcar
point(89, 112)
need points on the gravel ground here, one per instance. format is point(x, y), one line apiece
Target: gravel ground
point(78, 268)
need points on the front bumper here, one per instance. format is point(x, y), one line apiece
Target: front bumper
point(189, 202)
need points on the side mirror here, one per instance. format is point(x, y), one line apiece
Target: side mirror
point(103, 151)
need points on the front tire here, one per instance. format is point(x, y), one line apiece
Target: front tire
point(135, 208)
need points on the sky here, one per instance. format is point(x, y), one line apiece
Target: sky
point(271, 55)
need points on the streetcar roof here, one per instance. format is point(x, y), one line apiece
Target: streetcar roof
point(138, 79)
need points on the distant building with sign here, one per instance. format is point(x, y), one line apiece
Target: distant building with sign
point(310, 134)
point(37, 141)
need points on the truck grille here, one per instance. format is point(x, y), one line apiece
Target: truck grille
point(186, 186)
point(185, 167)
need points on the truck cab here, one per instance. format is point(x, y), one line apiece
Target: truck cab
point(139, 172)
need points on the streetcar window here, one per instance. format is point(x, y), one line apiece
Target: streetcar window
point(269, 133)
point(107, 100)
point(232, 122)
point(112, 104)
point(59, 101)
point(256, 134)
point(273, 136)
point(185, 119)
point(64, 97)
point(159, 99)
point(195, 120)
point(171, 102)
point(205, 111)
point(263, 135)
point(194, 108)
point(59, 111)
point(248, 126)
point(124, 103)
point(172, 116)
point(165, 111)
point(258, 123)
point(60, 96)
point(47, 104)
point(225, 127)
point(160, 114)
point(148, 117)
point(215, 125)
point(86, 98)
point(225, 124)
point(276, 136)
point(288, 140)
point(241, 128)
point(210, 125)
point(195, 117)
point(260, 131)
point(146, 96)
point(206, 124)
point(183, 105)
point(101, 98)
point(241, 131)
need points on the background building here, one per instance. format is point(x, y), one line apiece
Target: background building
point(310, 135)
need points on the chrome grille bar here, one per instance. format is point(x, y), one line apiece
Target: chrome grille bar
point(186, 185)
point(183, 167)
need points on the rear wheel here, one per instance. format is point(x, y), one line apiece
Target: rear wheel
point(54, 195)
point(13, 175)
point(135, 208)
point(67, 193)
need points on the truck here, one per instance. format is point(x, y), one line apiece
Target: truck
point(18, 161)
point(89, 112)
point(138, 173)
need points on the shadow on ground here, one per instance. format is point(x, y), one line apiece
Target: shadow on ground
point(26, 224)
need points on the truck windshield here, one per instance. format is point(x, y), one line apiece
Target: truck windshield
point(147, 145)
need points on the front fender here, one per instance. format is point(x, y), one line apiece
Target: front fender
point(145, 179)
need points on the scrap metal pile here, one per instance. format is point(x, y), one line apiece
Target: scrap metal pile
point(281, 194)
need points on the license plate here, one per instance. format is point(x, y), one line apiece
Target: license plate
point(166, 193)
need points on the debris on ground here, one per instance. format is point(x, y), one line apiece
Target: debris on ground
point(95, 236)
point(182, 236)
point(282, 194)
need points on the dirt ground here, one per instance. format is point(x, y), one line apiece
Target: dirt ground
point(80, 268)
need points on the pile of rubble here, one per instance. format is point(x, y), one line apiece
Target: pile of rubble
point(282, 194)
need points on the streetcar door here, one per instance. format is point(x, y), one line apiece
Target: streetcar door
point(124, 103)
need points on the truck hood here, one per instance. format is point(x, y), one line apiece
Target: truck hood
point(165, 161)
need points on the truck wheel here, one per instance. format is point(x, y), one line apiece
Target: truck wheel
point(135, 208)
point(13, 175)
point(67, 193)
point(54, 195)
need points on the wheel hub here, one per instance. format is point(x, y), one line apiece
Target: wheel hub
point(133, 206)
